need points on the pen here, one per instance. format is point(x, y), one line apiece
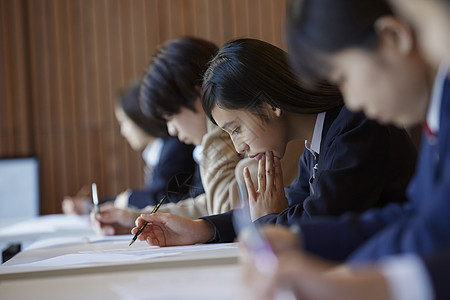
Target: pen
point(95, 198)
point(145, 224)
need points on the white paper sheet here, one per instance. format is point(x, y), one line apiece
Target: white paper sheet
point(120, 252)
point(98, 257)
point(66, 241)
point(48, 224)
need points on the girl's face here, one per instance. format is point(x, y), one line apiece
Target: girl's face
point(431, 21)
point(387, 84)
point(188, 125)
point(252, 134)
point(136, 137)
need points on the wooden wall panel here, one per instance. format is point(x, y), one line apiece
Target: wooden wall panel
point(16, 137)
point(63, 62)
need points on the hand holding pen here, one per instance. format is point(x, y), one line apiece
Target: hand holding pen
point(95, 198)
point(145, 223)
point(166, 229)
point(109, 220)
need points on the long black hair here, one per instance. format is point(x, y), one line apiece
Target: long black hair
point(318, 27)
point(173, 74)
point(247, 73)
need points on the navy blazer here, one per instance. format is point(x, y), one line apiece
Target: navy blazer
point(361, 165)
point(420, 226)
point(176, 158)
point(438, 267)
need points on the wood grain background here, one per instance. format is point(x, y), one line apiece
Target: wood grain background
point(63, 61)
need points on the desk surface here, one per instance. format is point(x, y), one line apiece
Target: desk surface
point(188, 283)
point(70, 268)
point(195, 272)
point(92, 257)
point(20, 230)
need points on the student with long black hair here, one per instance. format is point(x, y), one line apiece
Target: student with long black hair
point(349, 164)
point(170, 93)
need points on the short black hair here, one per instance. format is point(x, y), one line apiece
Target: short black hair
point(128, 100)
point(173, 74)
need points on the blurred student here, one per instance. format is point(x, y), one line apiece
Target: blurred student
point(402, 277)
point(164, 156)
point(373, 57)
point(349, 164)
point(171, 92)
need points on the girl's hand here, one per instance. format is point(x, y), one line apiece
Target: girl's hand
point(164, 229)
point(270, 197)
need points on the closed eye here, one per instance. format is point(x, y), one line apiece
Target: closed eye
point(236, 131)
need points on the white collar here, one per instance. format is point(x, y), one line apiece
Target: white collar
point(434, 110)
point(197, 153)
point(152, 152)
point(314, 145)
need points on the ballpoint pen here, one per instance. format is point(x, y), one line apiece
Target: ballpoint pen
point(145, 224)
point(95, 198)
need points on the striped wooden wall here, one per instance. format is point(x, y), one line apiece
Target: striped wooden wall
point(62, 62)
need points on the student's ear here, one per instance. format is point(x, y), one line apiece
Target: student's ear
point(274, 112)
point(395, 33)
point(198, 89)
point(277, 111)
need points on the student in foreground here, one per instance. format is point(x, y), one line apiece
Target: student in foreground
point(350, 163)
point(374, 58)
point(401, 277)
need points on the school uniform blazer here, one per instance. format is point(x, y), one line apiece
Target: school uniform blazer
point(361, 165)
point(438, 267)
point(420, 226)
point(175, 158)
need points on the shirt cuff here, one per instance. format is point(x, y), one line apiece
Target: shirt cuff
point(223, 227)
point(121, 201)
point(407, 278)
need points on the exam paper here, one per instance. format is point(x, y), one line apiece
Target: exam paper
point(98, 257)
point(48, 224)
point(123, 239)
point(119, 252)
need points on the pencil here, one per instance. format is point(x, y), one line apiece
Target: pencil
point(145, 224)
